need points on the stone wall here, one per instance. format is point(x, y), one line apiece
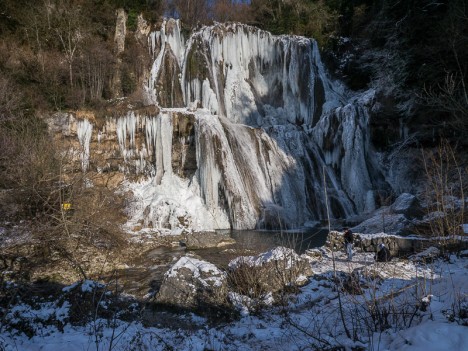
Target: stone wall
point(398, 245)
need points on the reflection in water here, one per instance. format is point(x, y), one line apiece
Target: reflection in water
point(254, 242)
point(299, 240)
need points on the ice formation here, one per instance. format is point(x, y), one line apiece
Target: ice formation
point(84, 132)
point(272, 134)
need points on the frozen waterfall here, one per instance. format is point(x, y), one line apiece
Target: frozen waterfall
point(249, 124)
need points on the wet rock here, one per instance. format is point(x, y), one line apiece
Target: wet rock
point(193, 283)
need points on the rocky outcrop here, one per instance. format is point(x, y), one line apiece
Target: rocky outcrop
point(426, 256)
point(269, 272)
point(127, 144)
point(119, 45)
point(383, 221)
point(395, 219)
point(193, 283)
point(407, 205)
point(120, 31)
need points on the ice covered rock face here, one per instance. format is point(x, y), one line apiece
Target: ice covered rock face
point(242, 73)
point(268, 134)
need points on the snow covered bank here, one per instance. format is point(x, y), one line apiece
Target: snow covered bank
point(403, 305)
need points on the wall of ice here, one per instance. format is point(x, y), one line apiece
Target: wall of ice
point(272, 134)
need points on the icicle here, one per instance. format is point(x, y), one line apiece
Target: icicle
point(121, 129)
point(126, 127)
point(84, 131)
point(159, 144)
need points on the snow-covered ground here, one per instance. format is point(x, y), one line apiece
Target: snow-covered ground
point(403, 306)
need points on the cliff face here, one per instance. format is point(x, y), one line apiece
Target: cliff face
point(243, 129)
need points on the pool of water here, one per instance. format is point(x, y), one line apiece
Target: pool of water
point(147, 272)
point(299, 240)
point(254, 242)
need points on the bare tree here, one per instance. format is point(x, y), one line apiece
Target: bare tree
point(69, 29)
point(450, 97)
point(192, 12)
point(233, 11)
point(93, 69)
point(445, 193)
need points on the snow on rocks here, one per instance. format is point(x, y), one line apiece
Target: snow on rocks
point(395, 219)
point(427, 255)
point(86, 286)
point(193, 283)
point(364, 261)
point(310, 319)
point(384, 220)
point(33, 319)
point(465, 228)
point(273, 270)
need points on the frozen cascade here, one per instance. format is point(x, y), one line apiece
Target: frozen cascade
point(256, 76)
point(261, 126)
point(151, 87)
point(170, 36)
point(303, 125)
point(84, 132)
point(145, 143)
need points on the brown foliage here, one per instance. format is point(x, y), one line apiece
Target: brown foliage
point(232, 11)
point(445, 194)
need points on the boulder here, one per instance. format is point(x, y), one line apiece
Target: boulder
point(428, 255)
point(385, 221)
point(269, 272)
point(398, 219)
point(407, 205)
point(193, 283)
